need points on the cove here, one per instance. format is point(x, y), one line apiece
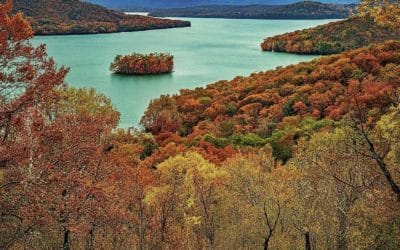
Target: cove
point(210, 50)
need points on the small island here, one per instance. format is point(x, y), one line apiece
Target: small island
point(143, 64)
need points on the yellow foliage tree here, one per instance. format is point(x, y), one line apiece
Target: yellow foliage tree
point(186, 201)
point(384, 12)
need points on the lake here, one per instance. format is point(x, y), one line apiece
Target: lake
point(210, 50)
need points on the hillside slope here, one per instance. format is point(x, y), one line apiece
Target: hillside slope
point(331, 38)
point(76, 17)
point(279, 106)
point(300, 10)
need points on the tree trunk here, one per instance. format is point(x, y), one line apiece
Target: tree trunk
point(381, 163)
point(307, 241)
point(66, 242)
point(342, 234)
point(89, 240)
point(266, 242)
point(142, 224)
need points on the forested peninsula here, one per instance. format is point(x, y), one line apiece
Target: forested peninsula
point(332, 38)
point(59, 17)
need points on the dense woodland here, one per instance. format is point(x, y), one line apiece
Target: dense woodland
point(305, 156)
point(49, 17)
point(143, 64)
point(279, 107)
point(299, 10)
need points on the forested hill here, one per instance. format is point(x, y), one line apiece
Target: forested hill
point(300, 10)
point(77, 17)
point(279, 106)
point(331, 38)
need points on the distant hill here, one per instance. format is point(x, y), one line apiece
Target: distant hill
point(331, 38)
point(300, 10)
point(164, 4)
point(77, 17)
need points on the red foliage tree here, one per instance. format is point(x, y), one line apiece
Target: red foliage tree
point(28, 80)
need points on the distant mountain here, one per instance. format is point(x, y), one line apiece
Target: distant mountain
point(164, 4)
point(50, 17)
point(300, 10)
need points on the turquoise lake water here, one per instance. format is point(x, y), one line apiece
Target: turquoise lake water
point(210, 50)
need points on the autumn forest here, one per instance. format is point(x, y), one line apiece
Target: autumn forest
point(305, 156)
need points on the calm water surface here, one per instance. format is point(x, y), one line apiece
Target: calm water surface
point(210, 50)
